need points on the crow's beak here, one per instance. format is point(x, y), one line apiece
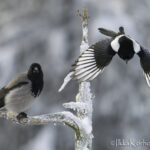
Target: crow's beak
point(36, 70)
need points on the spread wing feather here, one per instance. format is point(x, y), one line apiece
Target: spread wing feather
point(90, 63)
point(144, 55)
point(93, 61)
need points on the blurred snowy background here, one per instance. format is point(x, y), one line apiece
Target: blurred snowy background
point(49, 32)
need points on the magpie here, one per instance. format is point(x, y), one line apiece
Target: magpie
point(92, 61)
point(18, 95)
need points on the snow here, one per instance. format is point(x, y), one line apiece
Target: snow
point(86, 123)
point(84, 46)
point(76, 105)
point(72, 119)
point(85, 33)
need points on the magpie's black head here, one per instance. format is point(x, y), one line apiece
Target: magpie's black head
point(35, 74)
point(126, 48)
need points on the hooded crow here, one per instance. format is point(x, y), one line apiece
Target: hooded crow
point(18, 95)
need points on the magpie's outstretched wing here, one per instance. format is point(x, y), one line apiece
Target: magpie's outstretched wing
point(93, 61)
point(144, 55)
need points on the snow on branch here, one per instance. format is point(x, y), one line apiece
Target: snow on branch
point(65, 117)
point(76, 105)
point(84, 16)
point(84, 98)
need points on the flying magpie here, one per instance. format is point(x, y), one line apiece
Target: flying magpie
point(92, 61)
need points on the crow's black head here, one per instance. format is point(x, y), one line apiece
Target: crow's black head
point(35, 74)
point(35, 70)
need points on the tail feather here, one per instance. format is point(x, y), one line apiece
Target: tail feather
point(66, 80)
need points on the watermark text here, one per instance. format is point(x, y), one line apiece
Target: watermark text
point(130, 143)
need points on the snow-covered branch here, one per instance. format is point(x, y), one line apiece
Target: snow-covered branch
point(65, 117)
point(84, 97)
point(76, 105)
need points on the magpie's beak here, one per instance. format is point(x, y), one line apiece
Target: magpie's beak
point(126, 61)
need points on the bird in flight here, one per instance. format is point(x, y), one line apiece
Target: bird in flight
point(92, 61)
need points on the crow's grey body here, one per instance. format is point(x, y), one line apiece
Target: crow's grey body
point(20, 98)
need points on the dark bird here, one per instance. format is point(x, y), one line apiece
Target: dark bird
point(93, 60)
point(19, 94)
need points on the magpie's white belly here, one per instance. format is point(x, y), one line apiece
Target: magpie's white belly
point(19, 99)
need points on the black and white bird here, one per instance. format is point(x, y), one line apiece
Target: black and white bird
point(92, 61)
point(19, 94)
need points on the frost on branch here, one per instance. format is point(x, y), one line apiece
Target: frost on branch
point(61, 117)
point(84, 96)
point(76, 105)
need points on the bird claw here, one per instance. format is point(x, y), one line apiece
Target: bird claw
point(21, 116)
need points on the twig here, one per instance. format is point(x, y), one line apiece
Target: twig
point(83, 15)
